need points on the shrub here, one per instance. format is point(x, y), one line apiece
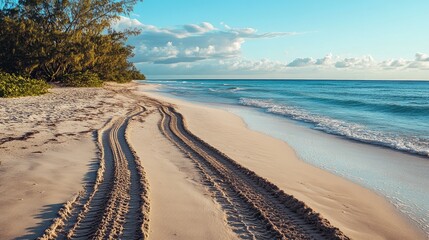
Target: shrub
point(49, 39)
point(82, 79)
point(12, 85)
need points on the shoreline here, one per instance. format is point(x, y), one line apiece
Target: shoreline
point(366, 165)
point(162, 167)
point(358, 211)
point(290, 117)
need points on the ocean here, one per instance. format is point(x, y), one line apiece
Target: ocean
point(378, 129)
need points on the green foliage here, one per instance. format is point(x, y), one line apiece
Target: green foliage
point(85, 79)
point(50, 39)
point(12, 85)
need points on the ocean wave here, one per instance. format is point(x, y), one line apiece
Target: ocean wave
point(160, 81)
point(179, 88)
point(346, 129)
point(225, 90)
point(380, 106)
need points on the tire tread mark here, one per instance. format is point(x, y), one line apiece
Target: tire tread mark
point(286, 216)
point(102, 212)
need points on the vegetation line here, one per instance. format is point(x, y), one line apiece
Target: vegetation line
point(69, 42)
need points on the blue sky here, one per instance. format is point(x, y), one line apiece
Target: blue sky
point(362, 39)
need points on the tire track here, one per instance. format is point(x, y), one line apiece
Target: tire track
point(259, 208)
point(116, 205)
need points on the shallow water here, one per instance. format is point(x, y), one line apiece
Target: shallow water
point(400, 177)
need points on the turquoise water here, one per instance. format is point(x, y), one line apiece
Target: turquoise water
point(378, 129)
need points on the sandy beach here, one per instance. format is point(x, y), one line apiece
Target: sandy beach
point(131, 163)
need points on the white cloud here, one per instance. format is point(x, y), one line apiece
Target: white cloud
point(160, 53)
point(327, 67)
point(330, 61)
point(123, 23)
point(394, 63)
point(367, 62)
point(201, 28)
point(188, 43)
point(302, 62)
point(422, 57)
point(356, 62)
point(421, 62)
point(419, 65)
point(265, 68)
point(261, 66)
point(193, 49)
point(327, 60)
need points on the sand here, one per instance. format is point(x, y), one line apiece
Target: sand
point(51, 153)
point(55, 146)
point(40, 173)
point(180, 206)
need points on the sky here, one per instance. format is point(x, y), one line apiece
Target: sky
point(317, 39)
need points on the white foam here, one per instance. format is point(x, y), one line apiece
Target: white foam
point(347, 129)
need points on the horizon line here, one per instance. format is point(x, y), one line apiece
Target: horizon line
point(290, 79)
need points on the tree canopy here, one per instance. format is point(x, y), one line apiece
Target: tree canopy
point(53, 39)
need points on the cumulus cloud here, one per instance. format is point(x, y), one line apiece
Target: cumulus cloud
point(367, 62)
point(201, 28)
point(261, 66)
point(230, 66)
point(327, 60)
point(421, 62)
point(266, 68)
point(334, 61)
point(419, 65)
point(326, 67)
point(422, 57)
point(124, 23)
point(188, 43)
point(394, 63)
point(302, 62)
point(203, 48)
point(356, 62)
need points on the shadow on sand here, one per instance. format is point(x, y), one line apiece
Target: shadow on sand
point(48, 212)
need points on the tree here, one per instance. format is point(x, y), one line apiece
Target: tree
point(50, 39)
